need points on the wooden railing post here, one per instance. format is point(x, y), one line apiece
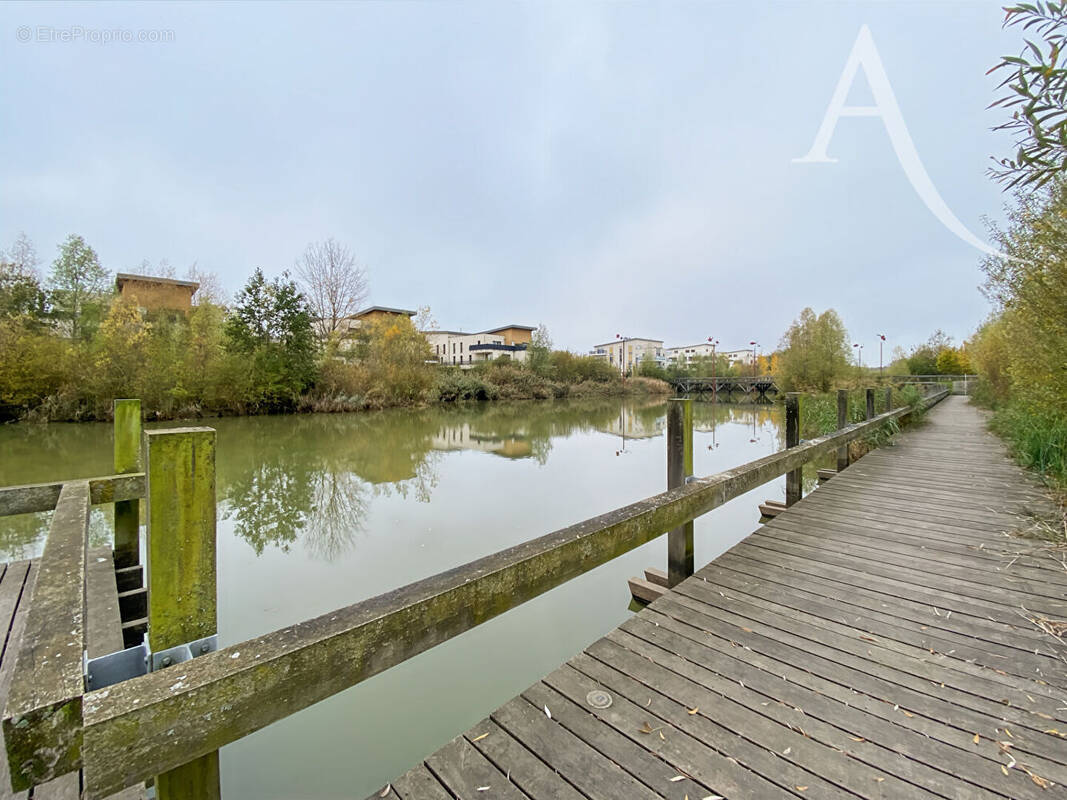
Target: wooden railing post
point(679, 467)
point(870, 403)
point(794, 478)
point(842, 422)
point(182, 598)
point(889, 398)
point(127, 459)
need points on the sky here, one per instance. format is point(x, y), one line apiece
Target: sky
point(601, 168)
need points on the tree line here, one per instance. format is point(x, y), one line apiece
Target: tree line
point(69, 344)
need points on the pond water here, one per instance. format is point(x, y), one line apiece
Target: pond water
point(320, 511)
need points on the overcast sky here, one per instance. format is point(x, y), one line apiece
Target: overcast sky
point(601, 168)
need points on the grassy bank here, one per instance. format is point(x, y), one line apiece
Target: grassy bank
point(1037, 438)
point(818, 415)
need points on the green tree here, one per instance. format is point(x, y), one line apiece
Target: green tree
point(539, 350)
point(78, 285)
point(1035, 91)
point(814, 351)
point(270, 324)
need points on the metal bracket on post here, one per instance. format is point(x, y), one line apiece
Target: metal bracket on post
point(133, 662)
point(184, 652)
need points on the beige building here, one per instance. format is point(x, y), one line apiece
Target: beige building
point(467, 349)
point(626, 354)
point(347, 326)
point(153, 294)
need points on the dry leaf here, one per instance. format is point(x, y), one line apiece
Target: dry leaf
point(801, 788)
point(479, 738)
point(1003, 769)
point(879, 779)
point(692, 710)
point(548, 713)
point(977, 738)
point(388, 788)
point(484, 788)
point(677, 778)
point(661, 736)
point(1044, 784)
point(857, 738)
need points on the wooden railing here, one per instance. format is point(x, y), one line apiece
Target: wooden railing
point(148, 725)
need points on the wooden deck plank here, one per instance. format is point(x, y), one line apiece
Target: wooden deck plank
point(467, 773)
point(522, 767)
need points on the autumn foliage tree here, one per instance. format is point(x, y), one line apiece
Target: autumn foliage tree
point(814, 351)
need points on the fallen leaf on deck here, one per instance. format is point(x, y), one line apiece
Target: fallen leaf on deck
point(677, 778)
point(977, 738)
point(388, 788)
point(479, 738)
point(692, 710)
point(548, 713)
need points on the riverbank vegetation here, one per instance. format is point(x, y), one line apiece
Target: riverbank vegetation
point(68, 345)
point(1021, 350)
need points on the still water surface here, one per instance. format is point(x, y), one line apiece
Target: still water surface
point(320, 511)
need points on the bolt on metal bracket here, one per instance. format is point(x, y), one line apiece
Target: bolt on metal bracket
point(133, 662)
point(184, 652)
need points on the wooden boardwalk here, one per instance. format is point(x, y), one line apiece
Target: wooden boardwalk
point(890, 636)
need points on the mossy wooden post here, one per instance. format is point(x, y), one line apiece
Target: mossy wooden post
point(870, 403)
point(127, 459)
point(182, 604)
point(794, 478)
point(842, 422)
point(679, 467)
point(889, 398)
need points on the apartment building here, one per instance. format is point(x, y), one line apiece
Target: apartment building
point(626, 354)
point(347, 326)
point(687, 354)
point(464, 349)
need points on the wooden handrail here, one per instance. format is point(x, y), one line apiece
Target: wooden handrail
point(150, 724)
point(43, 715)
point(34, 497)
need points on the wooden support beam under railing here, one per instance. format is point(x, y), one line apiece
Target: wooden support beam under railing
point(153, 723)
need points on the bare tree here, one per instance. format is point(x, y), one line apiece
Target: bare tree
point(22, 257)
point(211, 290)
point(334, 284)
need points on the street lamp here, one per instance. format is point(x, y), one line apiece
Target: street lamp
point(881, 341)
point(754, 346)
point(714, 358)
point(859, 354)
point(622, 353)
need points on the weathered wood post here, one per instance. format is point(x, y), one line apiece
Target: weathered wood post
point(870, 404)
point(679, 467)
point(127, 459)
point(182, 600)
point(794, 479)
point(842, 422)
point(889, 398)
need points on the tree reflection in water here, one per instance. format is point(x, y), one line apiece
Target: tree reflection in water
point(312, 479)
